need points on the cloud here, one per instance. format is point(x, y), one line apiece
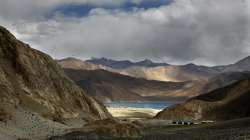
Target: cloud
point(205, 32)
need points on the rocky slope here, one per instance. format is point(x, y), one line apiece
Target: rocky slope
point(109, 86)
point(37, 99)
point(225, 103)
point(224, 79)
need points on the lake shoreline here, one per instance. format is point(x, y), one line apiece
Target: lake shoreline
point(136, 110)
point(132, 112)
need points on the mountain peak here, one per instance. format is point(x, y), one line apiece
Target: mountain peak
point(70, 59)
point(146, 61)
point(244, 60)
point(191, 64)
point(100, 59)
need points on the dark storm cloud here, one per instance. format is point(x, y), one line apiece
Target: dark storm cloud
point(205, 32)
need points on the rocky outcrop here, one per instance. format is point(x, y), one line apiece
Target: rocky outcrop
point(31, 81)
point(225, 103)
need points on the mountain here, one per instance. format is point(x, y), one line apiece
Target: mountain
point(116, 85)
point(37, 99)
point(224, 79)
point(240, 66)
point(170, 73)
point(145, 69)
point(156, 71)
point(73, 63)
point(166, 72)
point(229, 102)
point(108, 86)
point(123, 64)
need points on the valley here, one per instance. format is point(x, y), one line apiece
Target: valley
point(124, 70)
point(219, 98)
point(199, 83)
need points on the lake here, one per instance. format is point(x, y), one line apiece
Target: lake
point(159, 105)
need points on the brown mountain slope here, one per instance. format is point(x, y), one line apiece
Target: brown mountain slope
point(225, 103)
point(108, 86)
point(224, 79)
point(169, 73)
point(35, 93)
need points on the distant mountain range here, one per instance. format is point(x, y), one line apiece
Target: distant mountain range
point(124, 63)
point(241, 65)
point(110, 84)
point(156, 71)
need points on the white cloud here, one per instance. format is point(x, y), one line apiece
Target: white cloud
point(210, 31)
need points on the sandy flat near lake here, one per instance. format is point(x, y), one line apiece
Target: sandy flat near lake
point(132, 113)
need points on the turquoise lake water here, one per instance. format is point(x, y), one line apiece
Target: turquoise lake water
point(153, 105)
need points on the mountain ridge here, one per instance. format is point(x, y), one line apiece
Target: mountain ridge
point(229, 102)
point(164, 71)
point(122, 64)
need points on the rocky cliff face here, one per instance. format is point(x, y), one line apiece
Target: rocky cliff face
point(33, 82)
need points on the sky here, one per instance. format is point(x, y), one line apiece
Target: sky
point(205, 32)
